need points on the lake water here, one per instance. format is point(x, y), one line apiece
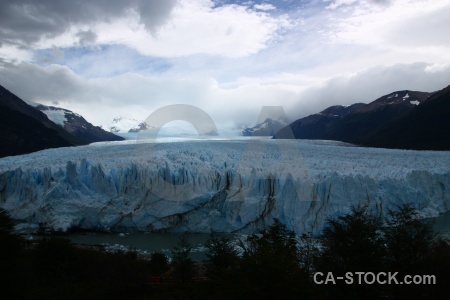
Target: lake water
point(146, 243)
point(442, 223)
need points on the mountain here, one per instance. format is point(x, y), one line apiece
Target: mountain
point(315, 126)
point(267, 128)
point(24, 129)
point(356, 127)
point(28, 127)
point(426, 127)
point(123, 125)
point(76, 125)
point(365, 124)
point(176, 128)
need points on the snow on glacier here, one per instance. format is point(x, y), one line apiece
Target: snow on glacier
point(224, 185)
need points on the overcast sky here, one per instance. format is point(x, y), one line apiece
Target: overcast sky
point(108, 58)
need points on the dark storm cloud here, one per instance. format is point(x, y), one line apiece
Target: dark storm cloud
point(24, 22)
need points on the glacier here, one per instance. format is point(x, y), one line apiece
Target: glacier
point(218, 184)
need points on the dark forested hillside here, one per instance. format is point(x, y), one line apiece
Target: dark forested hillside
point(426, 127)
point(403, 119)
point(25, 129)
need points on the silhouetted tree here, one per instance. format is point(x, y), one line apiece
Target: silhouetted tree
point(159, 263)
point(182, 264)
point(6, 224)
point(411, 245)
point(222, 255)
point(222, 263)
point(408, 239)
point(11, 250)
point(438, 264)
point(309, 251)
point(65, 271)
point(270, 266)
point(352, 243)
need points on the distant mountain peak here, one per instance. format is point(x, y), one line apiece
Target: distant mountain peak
point(121, 124)
point(267, 128)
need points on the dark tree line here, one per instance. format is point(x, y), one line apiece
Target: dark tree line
point(270, 264)
point(361, 242)
point(275, 264)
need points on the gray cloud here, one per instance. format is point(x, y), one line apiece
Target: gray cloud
point(27, 82)
point(86, 37)
point(381, 1)
point(155, 13)
point(51, 56)
point(431, 29)
point(24, 22)
point(232, 105)
point(369, 85)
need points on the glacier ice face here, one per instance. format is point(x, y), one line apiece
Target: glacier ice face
point(224, 185)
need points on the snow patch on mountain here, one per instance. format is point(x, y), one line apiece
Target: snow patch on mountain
point(267, 128)
point(125, 125)
point(56, 115)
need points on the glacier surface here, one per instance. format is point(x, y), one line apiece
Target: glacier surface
point(224, 185)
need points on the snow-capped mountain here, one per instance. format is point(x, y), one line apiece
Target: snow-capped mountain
point(365, 124)
point(26, 126)
point(267, 128)
point(24, 129)
point(226, 186)
point(404, 99)
point(124, 125)
point(424, 127)
point(76, 125)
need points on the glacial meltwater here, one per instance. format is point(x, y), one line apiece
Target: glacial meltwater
point(143, 243)
point(147, 243)
point(442, 223)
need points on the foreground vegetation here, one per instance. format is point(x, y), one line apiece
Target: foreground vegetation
point(273, 264)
